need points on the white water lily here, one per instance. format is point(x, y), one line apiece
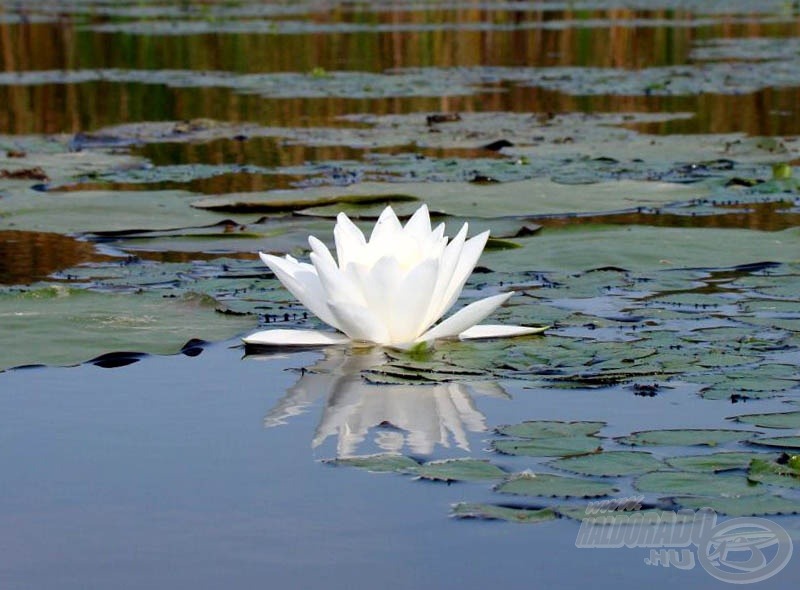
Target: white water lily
point(389, 290)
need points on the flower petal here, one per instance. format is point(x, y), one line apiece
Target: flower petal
point(337, 285)
point(386, 226)
point(465, 318)
point(470, 254)
point(295, 338)
point(447, 266)
point(302, 281)
point(411, 300)
point(419, 226)
point(498, 331)
point(358, 321)
point(349, 240)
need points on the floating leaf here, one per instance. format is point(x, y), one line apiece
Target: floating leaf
point(753, 505)
point(381, 463)
point(713, 462)
point(776, 420)
point(507, 513)
point(684, 437)
point(610, 463)
point(775, 473)
point(560, 446)
point(460, 470)
point(550, 429)
point(780, 442)
point(545, 484)
point(680, 483)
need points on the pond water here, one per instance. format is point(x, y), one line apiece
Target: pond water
point(636, 165)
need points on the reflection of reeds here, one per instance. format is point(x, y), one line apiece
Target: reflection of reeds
point(26, 257)
point(70, 108)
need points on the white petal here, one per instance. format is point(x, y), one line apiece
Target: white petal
point(470, 254)
point(495, 331)
point(349, 240)
point(447, 266)
point(295, 338)
point(465, 318)
point(337, 285)
point(302, 281)
point(386, 226)
point(419, 226)
point(411, 300)
point(359, 322)
point(321, 249)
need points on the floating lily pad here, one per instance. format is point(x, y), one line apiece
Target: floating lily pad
point(685, 437)
point(713, 462)
point(775, 473)
point(561, 446)
point(550, 429)
point(753, 505)
point(621, 517)
point(610, 463)
point(776, 420)
point(778, 442)
point(64, 326)
point(460, 470)
point(545, 484)
point(680, 483)
point(507, 513)
point(380, 463)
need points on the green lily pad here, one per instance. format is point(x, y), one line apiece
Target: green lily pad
point(694, 483)
point(381, 463)
point(779, 442)
point(610, 463)
point(550, 429)
point(560, 446)
point(755, 505)
point(776, 420)
point(772, 472)
point(64, 326)
point(616, 517)
point(545, 484)
point(506, 513)
point(713, 462)
point(460, 470)
point(685, 437)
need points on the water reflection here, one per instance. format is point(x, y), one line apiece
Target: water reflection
point(364, 417)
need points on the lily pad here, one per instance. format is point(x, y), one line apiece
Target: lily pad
point(460, 470)
point(610, 463)
point(381, 463)
point(778, 442)
point(545, 484)
point(506, 513)
point(713, 462)
point(64, 326)
point(776, 420)
point(561, 446)
point(685, 437)
point(694, 483)
point(753, 505)
point(774, 473)
point(550, 429)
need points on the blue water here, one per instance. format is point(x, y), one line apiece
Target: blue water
point(161, 474)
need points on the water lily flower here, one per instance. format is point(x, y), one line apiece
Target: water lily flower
point(389, 290)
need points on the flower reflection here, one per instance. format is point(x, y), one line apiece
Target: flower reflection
point(391, 417)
